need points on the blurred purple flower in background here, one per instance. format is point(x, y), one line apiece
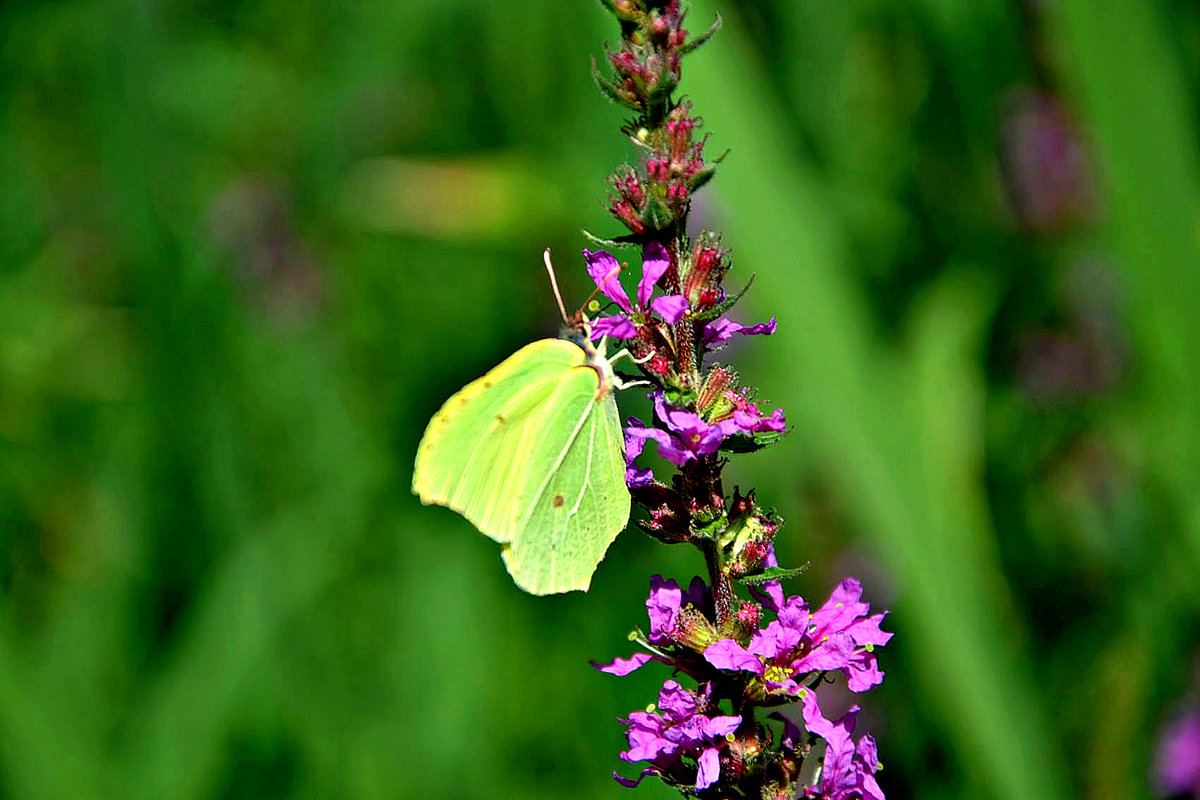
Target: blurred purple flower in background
point(1177, 758)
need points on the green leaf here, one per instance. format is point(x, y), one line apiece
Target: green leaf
point(628, 241)
point(721, 308)
point(744, 443)
point(702, 39)
point(773, 574)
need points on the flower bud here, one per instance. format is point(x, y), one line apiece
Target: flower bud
point(705, 270)
point(694, 630)
point(623, 211)
point(748, 616)
point(658, 170)
point(715, 385)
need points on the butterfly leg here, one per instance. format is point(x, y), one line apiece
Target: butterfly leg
point(620, 384)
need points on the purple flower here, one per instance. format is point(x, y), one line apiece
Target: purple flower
point(848, 771)
point(844, 637)
point(687, 436)
point(839, 636)
point(722, 330)
point(663, 607)
point(747, 419)
point(677, 729)
point(1177, 757)
point(605, 271)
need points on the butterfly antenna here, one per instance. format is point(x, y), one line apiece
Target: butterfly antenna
point(554, 285)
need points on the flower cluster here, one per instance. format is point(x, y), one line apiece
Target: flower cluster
point(750, 666)
point(657, 194)
point(744, 651)
point(678, 730)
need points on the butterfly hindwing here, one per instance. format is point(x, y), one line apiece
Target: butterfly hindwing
point(580, 503)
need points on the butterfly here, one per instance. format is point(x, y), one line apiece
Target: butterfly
point(532, 454)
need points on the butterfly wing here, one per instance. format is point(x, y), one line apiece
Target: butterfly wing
point(532, 455)
point(575, 501)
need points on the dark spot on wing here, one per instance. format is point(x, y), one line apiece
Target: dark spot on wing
point(558, 501)
point(499, 420)
point(488, 384)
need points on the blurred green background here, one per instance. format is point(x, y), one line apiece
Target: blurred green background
point(247, 248)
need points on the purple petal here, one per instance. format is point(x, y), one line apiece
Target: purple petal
point(839, 770)
point(814, 720)
point(677, 419)
point(867, 752)
point(867, 631)
point(634, 442)
point(697, 594)
point(831, 652)
point(624, 666)
point(763, 328)
point(794, 613)
point(774, 641)
point(863, 674)
point(645, 744)
point(710, 768)
point(674, 451)
point(776, 422)
point(605, 271)
point(694, 435)
point(675, 701)
point(615, 327)
point(728, 654)
point(719, 330)
point(662, 607)
point(871, 789)
point(841, 610)
point(671, 307)
point(634, 445)
point(717, 727)
point(655, 263)
point(669, 447)
point(636, 478)
point(723, 329)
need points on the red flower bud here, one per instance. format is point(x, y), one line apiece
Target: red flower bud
point(749, 614)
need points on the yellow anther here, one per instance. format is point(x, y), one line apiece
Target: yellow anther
point(775, 674)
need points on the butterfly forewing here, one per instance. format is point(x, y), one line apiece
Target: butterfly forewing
point(474, 452)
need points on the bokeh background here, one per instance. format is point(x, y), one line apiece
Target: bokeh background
point(247, 248)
